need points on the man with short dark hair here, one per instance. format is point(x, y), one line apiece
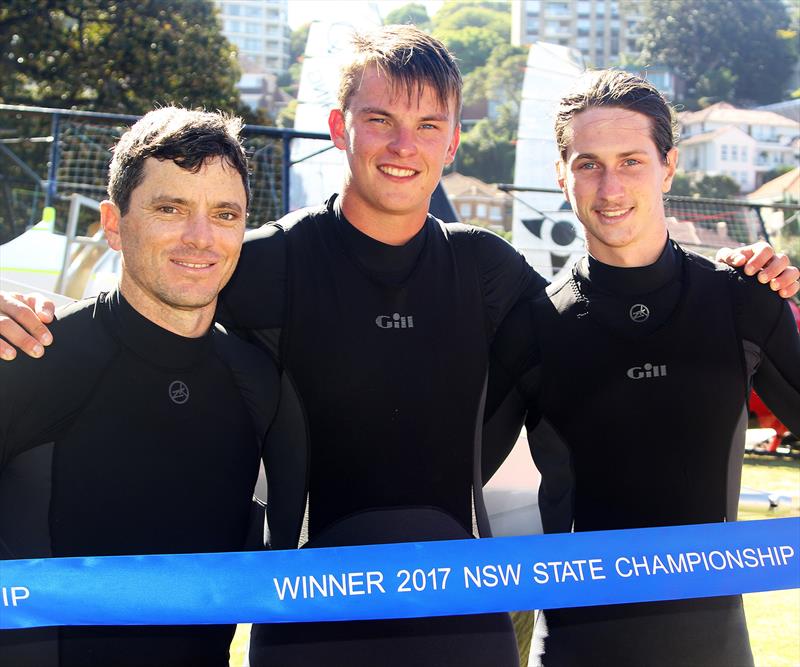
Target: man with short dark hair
point(141, 430)
point(636, 369)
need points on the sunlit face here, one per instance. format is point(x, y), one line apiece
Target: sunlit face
point(615, 178)
point(396, 147)
point(181, 237)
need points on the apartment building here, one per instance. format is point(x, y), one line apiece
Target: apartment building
point(743, 144)
point(260, 31)
point(602, 30)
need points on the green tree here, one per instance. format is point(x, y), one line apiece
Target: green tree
point(471, 46)
point(488, 149)
point(117, 57)
point(412, 13)
point(716, 187)
point(452, 8)
point(472, 30)
point(289, 81)
point(725, 49)
point(500, 78)
point(681, 185)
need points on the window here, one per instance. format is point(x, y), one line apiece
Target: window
point(744, 153)
point(251, 28)
point(496, 213)
point(735, 153)
point(253, 10)
point(233, 26)
point(480, 211)
point(465, 210)
point(251, 44)
point(723, 152)
point(558, 9)
point(233, 9)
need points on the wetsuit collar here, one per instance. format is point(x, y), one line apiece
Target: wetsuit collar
point(634, 280)
point(148, 340)
point(389, 264)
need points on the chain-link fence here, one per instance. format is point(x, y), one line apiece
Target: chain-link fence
point(552, 239)
point(48, 154)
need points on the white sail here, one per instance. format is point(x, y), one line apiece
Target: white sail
point(328, 47)
point(544, 229)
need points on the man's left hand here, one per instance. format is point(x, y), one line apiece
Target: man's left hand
point(760, 260)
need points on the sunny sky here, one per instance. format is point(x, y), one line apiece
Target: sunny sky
point(305, 11)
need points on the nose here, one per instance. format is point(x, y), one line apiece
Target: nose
point(198, 230)
point(610, 185)
point(403, 142)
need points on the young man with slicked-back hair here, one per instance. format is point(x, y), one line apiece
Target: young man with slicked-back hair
point(636, 370)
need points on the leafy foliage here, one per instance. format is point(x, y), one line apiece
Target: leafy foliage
point(724, 50)
point(412, 13)
point(715, 187)
point(116, 57)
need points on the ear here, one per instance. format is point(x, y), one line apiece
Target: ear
point(561, 175)
point(336, 126)
point(110, 218)
point(669, 169)
point(453, 147)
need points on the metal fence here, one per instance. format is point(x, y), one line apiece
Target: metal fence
point(702, 224)
point(46, 155)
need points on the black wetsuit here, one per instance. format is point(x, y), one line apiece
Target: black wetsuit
point(643, 412)
point(388, 349)
point(128, 439)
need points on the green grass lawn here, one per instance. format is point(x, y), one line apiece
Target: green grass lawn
point(773, 618)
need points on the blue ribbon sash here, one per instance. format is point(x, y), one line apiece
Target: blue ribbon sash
point(404, 580)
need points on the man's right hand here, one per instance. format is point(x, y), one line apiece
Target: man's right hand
point(22, 324)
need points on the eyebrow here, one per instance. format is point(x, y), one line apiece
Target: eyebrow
point(593, 156)
point(440, 116)
point(167, 199)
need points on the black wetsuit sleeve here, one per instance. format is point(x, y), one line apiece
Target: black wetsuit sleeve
point(255, 297)
point(506, 278)
point(512, 388)
point(766, 325)
point(39, 396)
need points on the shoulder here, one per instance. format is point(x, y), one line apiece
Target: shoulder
point(242, 356)
point(562, 296)
point(482, 239)
point(38, 393)
point(756, 307)
point(254, 373)
point(297, 220)
point(491, 252)
point(79, 335)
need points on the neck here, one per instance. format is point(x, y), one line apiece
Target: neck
point(390, 228)
point(186, 322)
point(641, 253)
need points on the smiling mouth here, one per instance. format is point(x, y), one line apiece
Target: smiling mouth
point(611, 214)
point(193, 265)
point(397, 171)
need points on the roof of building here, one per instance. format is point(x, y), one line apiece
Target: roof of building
point(779, 189)
point(714, 134)
point(788, 108)
point(723, 112)
point(458, 185)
